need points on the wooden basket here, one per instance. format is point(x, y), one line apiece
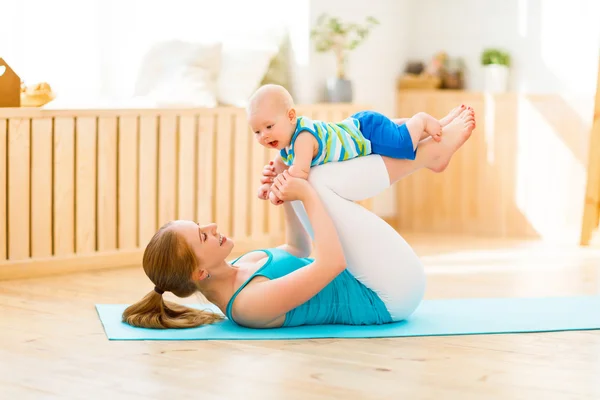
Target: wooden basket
point(423, 82)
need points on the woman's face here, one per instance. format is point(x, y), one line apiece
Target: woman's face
point(211, 247)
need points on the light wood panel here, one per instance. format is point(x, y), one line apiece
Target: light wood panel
point(107, 184)
point(242, 174)
point(519, 175)
point(127, 182)
point(167, 169)
point(64, 186)
point(98, 183)
point(42, 204)
point(85, 185)
point(148, 178)
point(18, 189)
point(207, 151)
point(223, 172)
point(187, 168)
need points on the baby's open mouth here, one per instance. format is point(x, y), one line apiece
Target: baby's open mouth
point(222, 239)
point(274, 143)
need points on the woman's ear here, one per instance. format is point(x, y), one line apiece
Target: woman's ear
point(200, 275)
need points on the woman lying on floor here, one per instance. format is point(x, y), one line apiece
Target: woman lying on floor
point(362, 271)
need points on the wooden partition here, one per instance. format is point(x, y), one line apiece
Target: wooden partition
point(520, 175)
point(85, 189)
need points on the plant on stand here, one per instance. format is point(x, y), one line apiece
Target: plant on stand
point(331, 34)
point(496, 65)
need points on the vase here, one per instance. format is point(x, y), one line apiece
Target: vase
point(495, 78)
point(339, 90)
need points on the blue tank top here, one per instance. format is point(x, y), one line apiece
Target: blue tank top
point(345, 300)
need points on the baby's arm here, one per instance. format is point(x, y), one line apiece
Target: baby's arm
point(304, 151)
point(278, 164)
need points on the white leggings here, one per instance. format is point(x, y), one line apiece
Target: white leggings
point(375, 253)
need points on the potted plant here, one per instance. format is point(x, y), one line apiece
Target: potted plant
point(496, 65)
point(331, 34)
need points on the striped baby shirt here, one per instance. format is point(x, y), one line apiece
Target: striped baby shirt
point(338, 141)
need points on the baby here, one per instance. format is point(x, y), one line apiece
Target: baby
point(303, 143)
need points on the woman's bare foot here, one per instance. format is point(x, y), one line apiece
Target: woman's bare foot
point(454, 135)
point(455, 112)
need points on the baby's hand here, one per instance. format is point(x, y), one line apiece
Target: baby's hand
point(263, 191)
point(268, 173)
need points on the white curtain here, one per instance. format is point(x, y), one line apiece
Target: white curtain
point(91, 49)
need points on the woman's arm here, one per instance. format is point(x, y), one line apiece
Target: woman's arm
point(261, 303)
point(297, 240)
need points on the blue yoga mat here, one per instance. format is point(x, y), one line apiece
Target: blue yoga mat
point(432, 318)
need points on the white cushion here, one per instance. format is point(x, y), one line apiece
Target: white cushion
point(243, 66)
point(180, 74)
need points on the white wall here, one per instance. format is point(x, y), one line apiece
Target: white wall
point(553, 43)
point(554, 46)
point(373, 67)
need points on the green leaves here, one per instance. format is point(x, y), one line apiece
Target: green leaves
point(330, 33)
point(495, 56)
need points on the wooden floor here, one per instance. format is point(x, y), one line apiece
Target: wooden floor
point(53, 346)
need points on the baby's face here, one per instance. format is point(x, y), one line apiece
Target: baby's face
point(272, 128)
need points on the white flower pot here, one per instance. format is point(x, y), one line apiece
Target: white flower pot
point(339, 90)
point(495, 78)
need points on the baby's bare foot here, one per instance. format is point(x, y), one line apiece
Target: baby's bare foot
point(455, 112)
point(454, 135)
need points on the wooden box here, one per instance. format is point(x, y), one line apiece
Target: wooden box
point(423, 82)
point(10, 86)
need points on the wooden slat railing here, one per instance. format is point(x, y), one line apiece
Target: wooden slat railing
point(86, 189)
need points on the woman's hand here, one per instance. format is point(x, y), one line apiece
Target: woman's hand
point(288, 188)
point(276, 201)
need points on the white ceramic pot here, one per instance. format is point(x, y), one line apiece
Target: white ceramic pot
point(495, 78)
point(339, 90)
